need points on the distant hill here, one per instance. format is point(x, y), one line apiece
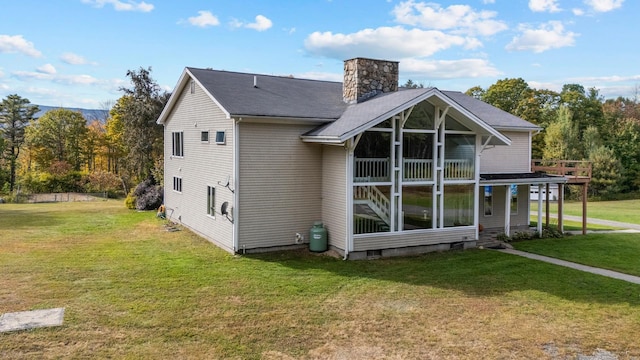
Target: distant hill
point(89, 114)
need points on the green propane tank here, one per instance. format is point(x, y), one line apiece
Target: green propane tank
point(318, 237)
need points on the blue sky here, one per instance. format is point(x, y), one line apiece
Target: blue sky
point(75, 53)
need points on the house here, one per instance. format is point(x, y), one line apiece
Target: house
point(255, 160)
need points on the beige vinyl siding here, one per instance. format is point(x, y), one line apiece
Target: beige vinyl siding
point(497, 219)
point(280, 184)
point(508, 159)
point(203, 164)
point(413, 238)
point(334, 194)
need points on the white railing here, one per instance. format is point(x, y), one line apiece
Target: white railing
point(417, 170)
point(458, 169)
point(372, 169)
point(378, 169)
point(375, 199)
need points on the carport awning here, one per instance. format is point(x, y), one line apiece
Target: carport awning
point(534, 178)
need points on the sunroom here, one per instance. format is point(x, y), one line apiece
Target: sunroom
point(413, 170)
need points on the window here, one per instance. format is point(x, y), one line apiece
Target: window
point(204, 136)
point(177, 184)
point(417, 207)
point(220, 137)
point(211, 201)
point(458, 205)
point(514, 199)
point(488, 201)
point(192, 87)
point(178, 143)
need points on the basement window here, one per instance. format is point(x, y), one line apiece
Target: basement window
point(220, 138)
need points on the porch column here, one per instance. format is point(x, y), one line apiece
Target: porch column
point(507, 210)
point(539, 224)
point(547, 206)
point(560, 203)
point(584, 209)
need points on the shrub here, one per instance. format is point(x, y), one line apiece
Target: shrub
point(130, 201)
point(146, 196)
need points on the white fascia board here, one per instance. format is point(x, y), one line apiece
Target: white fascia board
point(479, 122)
point(387, 115)
point(175, 95)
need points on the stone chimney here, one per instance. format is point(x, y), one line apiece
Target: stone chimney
point(365, 78)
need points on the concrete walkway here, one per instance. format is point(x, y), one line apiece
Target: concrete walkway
point(611, 223)
point(589, 269)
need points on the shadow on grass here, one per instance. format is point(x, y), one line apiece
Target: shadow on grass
point(474, 272)
point(27, 218)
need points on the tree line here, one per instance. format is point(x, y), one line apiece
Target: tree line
point(578, 124)
point(61, 151)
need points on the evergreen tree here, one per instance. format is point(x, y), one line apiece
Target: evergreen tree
point(15, 114)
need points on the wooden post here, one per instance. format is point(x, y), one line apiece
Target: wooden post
point(584, 208)
point(560, 203)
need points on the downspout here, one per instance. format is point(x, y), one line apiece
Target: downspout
point(236, 196)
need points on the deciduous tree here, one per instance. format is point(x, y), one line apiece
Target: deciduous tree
point(142, 137)
point(58, 135)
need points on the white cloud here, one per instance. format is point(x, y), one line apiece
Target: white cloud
point(118, 5)
point(17, 44)
point(460, 19)
point(73, 59)
point(577, 12)
point(488, 1)
point(551, 35)
point(49, 74)
point(384, 42)
point(46, 69)
point(262, 23)
point(324, 76)
point(604, 5)
point(204, 19)
point(544, 6)
point(449, 69)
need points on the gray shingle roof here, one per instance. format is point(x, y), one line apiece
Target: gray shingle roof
point(274, 96)
point(369, 113)
point(490, 114)
point(303, 99)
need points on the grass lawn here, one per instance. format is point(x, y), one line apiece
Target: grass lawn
point(135, 291)
point(619, 252)
point(624, 210)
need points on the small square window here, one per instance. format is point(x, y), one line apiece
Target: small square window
point(220, 139)
point(204, 136)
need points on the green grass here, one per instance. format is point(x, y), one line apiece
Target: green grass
point(572, 225)
point(132, 290)
point(624, 211)
point(619, 252)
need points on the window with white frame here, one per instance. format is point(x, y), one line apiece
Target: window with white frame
point(211, 201)
point(177, 184)
point(488, 201)
point(204, 136)
point(178, 143)
point(220, 138)
point(513, 189)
